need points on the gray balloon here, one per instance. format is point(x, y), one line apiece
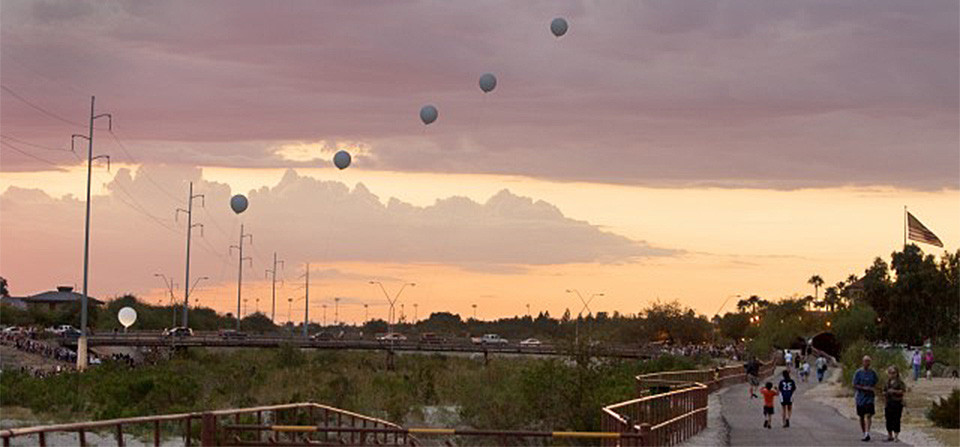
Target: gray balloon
point(239, 203)
point(558, 26)
point(488, 82)
point(341, 159)
point(428, 114)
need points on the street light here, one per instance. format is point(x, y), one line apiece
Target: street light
point(474, 311)
point(170, 286)
point(393, 301)
point(586, 306)
point(196, 282)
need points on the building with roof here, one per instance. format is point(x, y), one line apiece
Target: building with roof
point(54, 299)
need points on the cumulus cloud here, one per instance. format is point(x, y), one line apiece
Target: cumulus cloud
point(784, 94)
point(135, 233)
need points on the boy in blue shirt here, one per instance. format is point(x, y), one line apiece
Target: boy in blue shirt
point(865, 383)
point(787, 386)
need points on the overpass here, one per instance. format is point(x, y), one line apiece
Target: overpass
point(214, 340)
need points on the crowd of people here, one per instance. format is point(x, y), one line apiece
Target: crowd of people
point(28, 342)
point(865, 384)
point(727, 351)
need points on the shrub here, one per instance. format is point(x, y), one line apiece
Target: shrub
point(945, 413)
point(852, 357)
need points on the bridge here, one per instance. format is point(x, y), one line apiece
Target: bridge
point(670, 407)
point(214, 340)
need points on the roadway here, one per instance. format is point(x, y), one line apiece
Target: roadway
point(214, 340)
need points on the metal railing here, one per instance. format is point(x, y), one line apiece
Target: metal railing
point(275, 340)
point(671, 406)
point(213, 428)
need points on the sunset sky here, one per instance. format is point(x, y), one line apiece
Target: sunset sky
point(683, 151)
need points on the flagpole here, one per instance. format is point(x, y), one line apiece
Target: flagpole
point(904, 227)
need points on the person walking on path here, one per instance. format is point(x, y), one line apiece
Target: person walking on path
point(804, 371)
point(788, 359)
point(752, 368)
point(929, 360)
point(893, 394)
point(821, 368)
point(768, 395)
point(916, 362)
point(864, 383)
point(786, 387)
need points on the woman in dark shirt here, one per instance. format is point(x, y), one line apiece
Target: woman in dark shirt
point(893, 391)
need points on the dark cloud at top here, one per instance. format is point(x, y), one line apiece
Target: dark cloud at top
point(775, 94)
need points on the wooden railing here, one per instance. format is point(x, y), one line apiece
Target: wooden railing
point(214, 428)
point(671, 406)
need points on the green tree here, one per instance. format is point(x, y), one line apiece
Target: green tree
point(855, 323)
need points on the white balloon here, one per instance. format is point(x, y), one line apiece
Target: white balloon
point(342, 159)
point(239, 203)
point(558, 26)
point(127, 316)
point(428, 114)
point(488, 82)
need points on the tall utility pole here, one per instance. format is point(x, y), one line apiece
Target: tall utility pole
point(324, 315)
point(415, 313)
point(306, 303)
point(336, 311)
point(82, 343)
point(273, 305)
point(240, 269)
point(190, 225)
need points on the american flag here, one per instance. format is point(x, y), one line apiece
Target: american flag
point(918, 232)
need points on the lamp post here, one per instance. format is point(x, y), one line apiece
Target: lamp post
point(168, 282)
point(392, 301)
point(474, 311)
point(586, 306)
point(195, 282)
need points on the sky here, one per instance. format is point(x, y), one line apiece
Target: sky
point(688, 151)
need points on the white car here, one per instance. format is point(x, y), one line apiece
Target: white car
point(530, 342)
point(61, 329)
point(489, 339)
point(392, 336)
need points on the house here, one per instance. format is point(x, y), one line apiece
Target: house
point(64, 295)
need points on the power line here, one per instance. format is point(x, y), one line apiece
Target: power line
point(38, 108)
point(11, 146)
point(35, 145)
point(134, 160)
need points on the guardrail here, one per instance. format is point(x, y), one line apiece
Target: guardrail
point(213, 428)
point(271, 341)
point(671, 406)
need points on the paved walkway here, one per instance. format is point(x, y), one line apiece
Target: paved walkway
point(812, 423)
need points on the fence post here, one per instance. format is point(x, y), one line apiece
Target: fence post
point(646, 437)
point(208, 430)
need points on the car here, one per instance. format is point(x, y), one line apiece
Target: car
point(392, 336)
point(13, 330)
point(431, 338)
point(179, 331)
point(322, 336)
point(231, 333)
point(60, 329)
point(530, 342)
point(489, 339)
point(71, 333)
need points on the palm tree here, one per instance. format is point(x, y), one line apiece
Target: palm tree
point(742, 305)
point(831, 298)
point(816, 281)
